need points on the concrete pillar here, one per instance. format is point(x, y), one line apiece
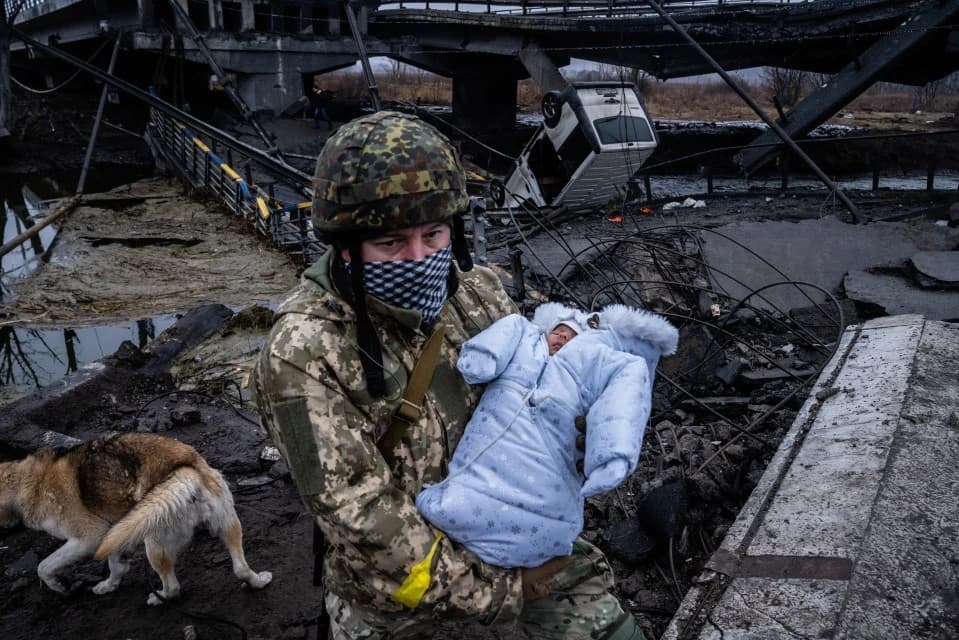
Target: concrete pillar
point(216, 15)
point(270, 91)
point(484, 102)
point(246, 15)
point(306, 19)
point(333, 21)
point(541, 68)
point(363, 19)
point(145, 12)
point(101, 10)
point(276, 19)
point(185, 4)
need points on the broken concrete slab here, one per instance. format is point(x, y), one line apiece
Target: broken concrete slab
point(822, 320)
point(816, 251)
point(893, 295)
point(852, 530)
point(547, 257)
point(937, 269)
point(911, 546)
point(762, 376)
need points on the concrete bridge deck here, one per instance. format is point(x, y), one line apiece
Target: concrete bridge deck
point(853, 531)
point(274, 45)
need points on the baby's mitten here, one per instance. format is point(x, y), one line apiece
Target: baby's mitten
point(476, 365)
point(605, 477)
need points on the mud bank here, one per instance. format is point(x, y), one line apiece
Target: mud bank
point(133, 391)
point(147, 249)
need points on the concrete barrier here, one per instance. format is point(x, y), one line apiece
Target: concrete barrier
point(853, 530)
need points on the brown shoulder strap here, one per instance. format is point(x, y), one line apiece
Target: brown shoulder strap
point(411, 406)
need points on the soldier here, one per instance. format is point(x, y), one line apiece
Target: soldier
point(389, 191)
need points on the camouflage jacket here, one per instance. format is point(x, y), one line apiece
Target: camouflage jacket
point(311, 393)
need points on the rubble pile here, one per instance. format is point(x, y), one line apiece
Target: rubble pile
point(721, 405)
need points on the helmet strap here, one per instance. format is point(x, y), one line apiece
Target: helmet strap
point(461, 250)
point(371, 355)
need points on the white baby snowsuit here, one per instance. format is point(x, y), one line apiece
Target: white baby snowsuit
point(513, 495)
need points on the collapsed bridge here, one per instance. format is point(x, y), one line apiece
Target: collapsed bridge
point(273, 50)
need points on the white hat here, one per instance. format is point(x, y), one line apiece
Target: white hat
point(552, 314)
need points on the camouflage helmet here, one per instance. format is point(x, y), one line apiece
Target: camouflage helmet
point(388, 170)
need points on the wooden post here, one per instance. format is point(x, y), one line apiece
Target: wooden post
point(709, 178)
point(647, 185)
point(519, 282)
point(81, 183)
point(66, 208)
point(931, 176)
point(6, 94)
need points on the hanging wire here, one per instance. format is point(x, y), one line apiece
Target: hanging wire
point(65, 82)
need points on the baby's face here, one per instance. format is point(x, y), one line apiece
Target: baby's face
point(558, 337)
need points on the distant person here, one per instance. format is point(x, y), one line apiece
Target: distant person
point(318, 101)
point(513, 495)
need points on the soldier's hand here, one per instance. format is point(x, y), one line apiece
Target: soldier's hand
point(580, 424)
point(538, 580)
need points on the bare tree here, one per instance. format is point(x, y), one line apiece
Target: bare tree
point(924, 97)
point(643, 80)
point(786, 84)
point(397, 70)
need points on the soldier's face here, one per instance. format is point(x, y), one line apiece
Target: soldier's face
point(412, 243)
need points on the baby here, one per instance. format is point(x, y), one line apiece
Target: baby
point(513, 495)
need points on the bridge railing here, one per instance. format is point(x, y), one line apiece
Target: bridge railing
point(20, 6)
point(572, 7)
point(196, 160)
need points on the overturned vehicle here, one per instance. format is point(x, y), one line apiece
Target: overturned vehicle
point(594, 137)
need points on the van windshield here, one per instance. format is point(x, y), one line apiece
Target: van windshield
point(618, 129)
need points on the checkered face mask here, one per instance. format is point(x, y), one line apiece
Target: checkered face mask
point(419, 285)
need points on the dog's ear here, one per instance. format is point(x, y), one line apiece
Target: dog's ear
point(9, 517)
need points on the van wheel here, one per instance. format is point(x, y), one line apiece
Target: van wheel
point(552, 108)
point(497, 192)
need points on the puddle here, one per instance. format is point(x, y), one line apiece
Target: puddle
point(35, 358)
point(19, 210)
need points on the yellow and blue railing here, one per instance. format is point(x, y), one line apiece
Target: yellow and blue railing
point(287, 225)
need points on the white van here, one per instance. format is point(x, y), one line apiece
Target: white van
point(594, 137)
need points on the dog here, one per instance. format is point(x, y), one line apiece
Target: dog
point(106, 496)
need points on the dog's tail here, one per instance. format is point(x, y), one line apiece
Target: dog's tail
point(160, 511)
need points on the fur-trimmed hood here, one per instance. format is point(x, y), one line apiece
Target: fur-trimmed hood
point(626, 323)
point(629, 323)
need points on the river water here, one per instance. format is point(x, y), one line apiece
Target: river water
point(32, 357)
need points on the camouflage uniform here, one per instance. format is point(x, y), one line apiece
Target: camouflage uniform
point(388, 573)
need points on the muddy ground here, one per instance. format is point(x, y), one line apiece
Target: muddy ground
point(658, 529)
point(146, 249)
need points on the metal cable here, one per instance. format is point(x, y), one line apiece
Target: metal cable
point(65, 82)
